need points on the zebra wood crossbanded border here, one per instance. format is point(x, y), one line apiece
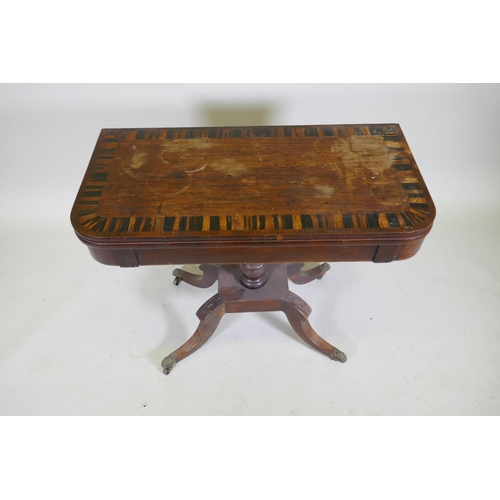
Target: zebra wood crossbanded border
point(105, 208)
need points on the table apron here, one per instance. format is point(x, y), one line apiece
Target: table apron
point(311, 252)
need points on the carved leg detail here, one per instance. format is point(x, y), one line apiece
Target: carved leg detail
point(209, 314)
point(205, 280)
point(299, 277)
point(297, 312)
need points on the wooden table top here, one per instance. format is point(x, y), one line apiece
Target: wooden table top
point(255, 185)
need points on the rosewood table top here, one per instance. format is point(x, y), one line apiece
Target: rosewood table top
point(223, 195)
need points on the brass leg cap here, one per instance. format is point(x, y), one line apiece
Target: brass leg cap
point(167, 364)
point(339, 356)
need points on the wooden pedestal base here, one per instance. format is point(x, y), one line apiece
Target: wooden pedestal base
point(251, 288)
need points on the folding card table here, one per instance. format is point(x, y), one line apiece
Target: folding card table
point(250, 206)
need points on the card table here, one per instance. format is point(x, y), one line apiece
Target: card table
point(251, 206)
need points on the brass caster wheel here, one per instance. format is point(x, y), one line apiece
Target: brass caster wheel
point(339, 356)
point(177, 273)
point(167, 364)
point(326, 267)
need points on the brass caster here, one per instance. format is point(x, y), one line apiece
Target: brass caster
point(338, 356)
point(177, 273)
point(326, 268)
point(167, 364)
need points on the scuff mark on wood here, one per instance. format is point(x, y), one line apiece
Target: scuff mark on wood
point(197, 170)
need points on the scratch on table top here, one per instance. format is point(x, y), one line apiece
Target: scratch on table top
point(197, 170)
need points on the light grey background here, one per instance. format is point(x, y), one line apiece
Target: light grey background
point(77, 337)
